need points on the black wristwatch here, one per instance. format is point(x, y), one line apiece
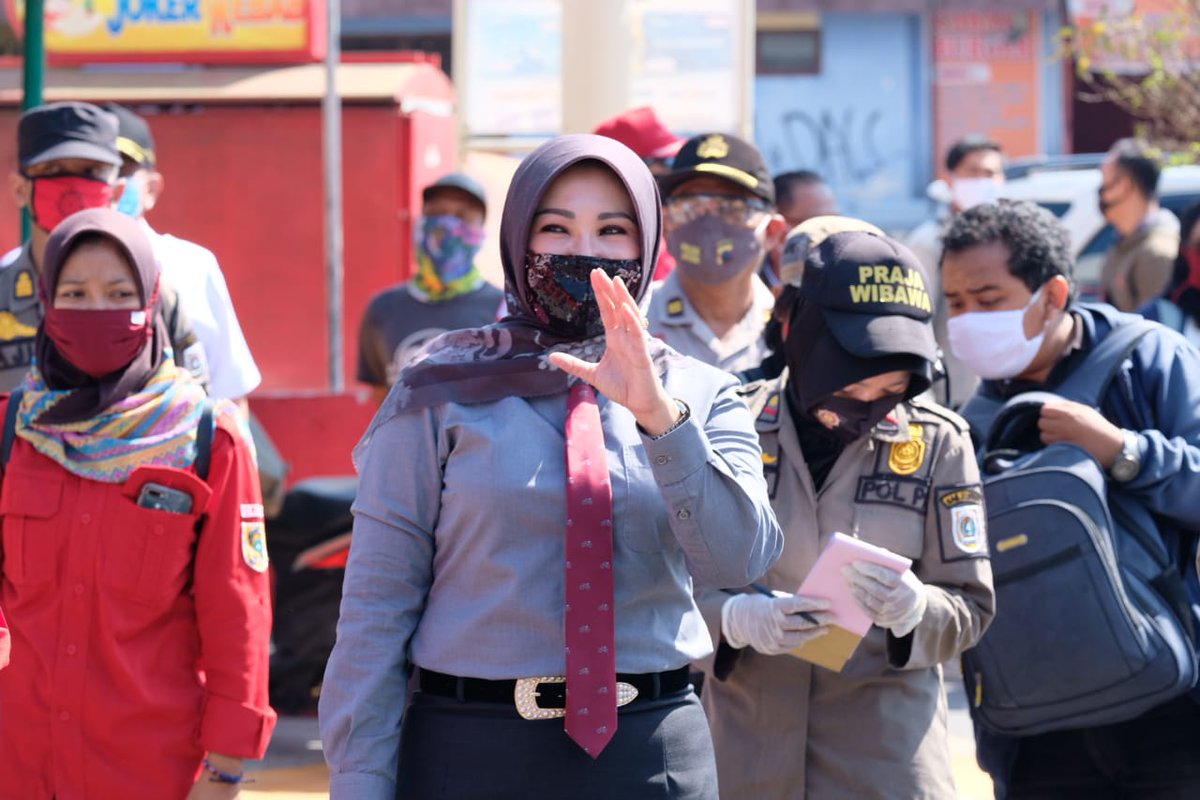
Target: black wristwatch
point(1129, 460)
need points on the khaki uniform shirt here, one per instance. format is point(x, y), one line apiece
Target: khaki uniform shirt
point(784, 728)
point(672, 318)
point(20, 313)
point(1138, 268)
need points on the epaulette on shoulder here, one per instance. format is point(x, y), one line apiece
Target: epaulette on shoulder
point(765, 401)
point(924, 406)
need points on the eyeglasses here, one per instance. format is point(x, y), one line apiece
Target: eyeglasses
point(682, 209)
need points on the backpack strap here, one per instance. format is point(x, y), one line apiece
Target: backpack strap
point(1088, 385)
point(204, 439)
point(10, 427)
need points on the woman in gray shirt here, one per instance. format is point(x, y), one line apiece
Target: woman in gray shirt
point(535, 499)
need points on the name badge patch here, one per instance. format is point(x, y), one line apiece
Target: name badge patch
point(254, 545)
point(910, 493)
point(967, 528)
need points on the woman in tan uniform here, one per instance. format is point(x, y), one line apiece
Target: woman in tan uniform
point(848, 446)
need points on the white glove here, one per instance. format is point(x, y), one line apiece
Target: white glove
point(893, 600)
point(773, 625)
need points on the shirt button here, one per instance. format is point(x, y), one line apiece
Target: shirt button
point(79, 588)
point(683, 513)
point(85, 518)
point(65, 716)
point(72, 649)
point(662, 460)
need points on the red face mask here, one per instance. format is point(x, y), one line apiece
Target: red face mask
point(57, 197)
point(99, 342)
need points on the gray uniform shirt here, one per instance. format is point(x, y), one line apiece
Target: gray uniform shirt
point(673, 319)
point(458, 551)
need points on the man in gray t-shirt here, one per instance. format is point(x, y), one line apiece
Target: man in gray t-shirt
point(446, 292)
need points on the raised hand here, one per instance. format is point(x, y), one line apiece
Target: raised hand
point(625, 373)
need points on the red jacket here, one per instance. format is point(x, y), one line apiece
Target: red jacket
point(138, 644)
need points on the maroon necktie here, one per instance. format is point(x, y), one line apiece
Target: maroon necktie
point(591, 661)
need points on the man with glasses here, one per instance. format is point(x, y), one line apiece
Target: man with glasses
point(720, 222)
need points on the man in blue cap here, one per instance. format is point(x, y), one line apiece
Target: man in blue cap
point(221, 358)
point(446, 292)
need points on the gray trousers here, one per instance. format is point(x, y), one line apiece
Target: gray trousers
point(464, 751)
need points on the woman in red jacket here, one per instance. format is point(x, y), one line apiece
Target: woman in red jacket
point(135, 589)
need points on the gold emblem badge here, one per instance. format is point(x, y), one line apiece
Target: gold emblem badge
point(254, 545)
point(714, 146)
point(675, 307)
point(905, 458)
point(828, 418)
point(12, 328)
point(24, 286)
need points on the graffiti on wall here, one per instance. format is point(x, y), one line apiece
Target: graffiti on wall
point(841, 144)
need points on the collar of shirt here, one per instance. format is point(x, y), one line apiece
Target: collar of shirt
point(893, 427)
point(680, 313)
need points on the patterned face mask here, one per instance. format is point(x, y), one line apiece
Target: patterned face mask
point(446, 250)
point(560, 290)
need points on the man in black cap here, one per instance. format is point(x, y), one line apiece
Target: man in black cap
point(850, 446)
point(221, 358)
point(720, 221)
point(446, 292)
point(67, 161)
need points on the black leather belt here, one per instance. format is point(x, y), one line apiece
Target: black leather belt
point(550, 693)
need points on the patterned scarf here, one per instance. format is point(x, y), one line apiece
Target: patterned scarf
point(153, 425)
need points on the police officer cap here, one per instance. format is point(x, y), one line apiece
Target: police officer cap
point(873, 293)
point(67, 130)
point(720, 155)
point(134, 139)
point(460, 181)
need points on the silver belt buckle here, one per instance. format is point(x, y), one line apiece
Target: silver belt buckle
point(525, 695)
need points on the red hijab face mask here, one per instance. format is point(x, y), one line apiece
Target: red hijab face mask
point(99, 342)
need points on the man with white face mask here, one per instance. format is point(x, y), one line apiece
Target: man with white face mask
point(975, 168)
point(720, 222)
point(1007, 279)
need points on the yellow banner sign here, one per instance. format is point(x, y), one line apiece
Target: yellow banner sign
point(180, 30)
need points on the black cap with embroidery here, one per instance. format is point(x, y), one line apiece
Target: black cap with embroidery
point(873, 293)
point(720, 155)
point(134, 139)
point(67, 130)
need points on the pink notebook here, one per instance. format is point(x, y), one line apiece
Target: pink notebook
point(850, 623)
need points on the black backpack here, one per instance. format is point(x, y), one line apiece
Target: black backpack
point(1092, 623)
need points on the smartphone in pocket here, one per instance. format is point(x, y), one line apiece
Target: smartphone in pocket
point(164, 498)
